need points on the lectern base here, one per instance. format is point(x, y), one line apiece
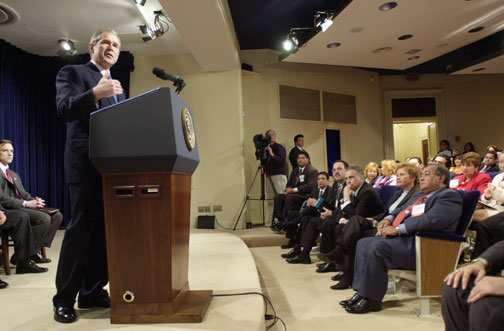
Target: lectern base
point(192, 309)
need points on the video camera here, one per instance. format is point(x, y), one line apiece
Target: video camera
point(261, 142)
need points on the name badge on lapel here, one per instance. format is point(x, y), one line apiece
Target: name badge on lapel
point(454, 183)
point(301, 178)
point(418, 210)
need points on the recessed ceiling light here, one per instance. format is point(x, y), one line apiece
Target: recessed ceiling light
point(357, 29)
point(479, 69)
point(388, 6)
point(382, 50)
point(405, 36)
point(441, 45)
point(333, 45)
point(479, 28)
point(416, 57)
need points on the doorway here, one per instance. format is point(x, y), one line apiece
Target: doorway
point(415, 138)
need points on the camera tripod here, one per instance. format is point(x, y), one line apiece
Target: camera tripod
point(262, 170)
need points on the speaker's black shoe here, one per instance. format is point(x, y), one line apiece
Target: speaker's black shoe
point(328, 267)
point(102, 302)
point(363, 306)
point(352, 301)
point(3, 284)
point(291, 254)
point(39, 258)
point(299, 259)
point(339, 276)
point(64, 314)
point(29, 268)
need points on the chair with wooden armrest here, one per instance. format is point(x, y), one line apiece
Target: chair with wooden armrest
point(437, 254)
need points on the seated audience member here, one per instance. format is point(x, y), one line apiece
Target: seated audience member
point(493, 148)
point(302, 181)
point(371, 172)
point(416, 161)
point(444, 146)
point(456, 151)
point(359, 198)
point(15, 197)
point(309, 229)
point(490, 162)
point(2, 221)
point(473, 295)
point(493, 196)
point(17, 226)
point(438, 210)
point(457, 164)
point(358, 226)
point(471, 179)
point(443, 160)
point(488, 232)
point(469, 147)
point(320, 197)
point(388, 168)
point(298, 147)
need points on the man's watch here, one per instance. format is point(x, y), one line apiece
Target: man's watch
point(485, 262)
point(398, 231)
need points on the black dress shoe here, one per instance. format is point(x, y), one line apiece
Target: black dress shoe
point(352, 301)
point(288, 245)
point(299, 259)
point(13, 259)
point(39, 258)
point(64, 314)
point(363, 306)
point(339, 276)
point(328, 267)
point(3, 284)
point(292, 253)
point(103, 302)
point(320, 265)
point(343, 284)
point(29, 268)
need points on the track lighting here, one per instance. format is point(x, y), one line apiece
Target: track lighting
point(66, 47)
point(140, 2)
point(159, 27)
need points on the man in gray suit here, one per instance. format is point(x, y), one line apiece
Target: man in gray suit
point(13, 196)
point(438, 210)
point(473, 295)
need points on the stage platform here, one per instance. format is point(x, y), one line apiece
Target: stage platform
point(218, 261)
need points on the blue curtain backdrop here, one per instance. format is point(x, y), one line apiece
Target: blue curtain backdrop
point(28, 118)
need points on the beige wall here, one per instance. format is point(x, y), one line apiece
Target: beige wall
point(473, 105)
point(360, 142)
point(408, 140)
point(216, 102)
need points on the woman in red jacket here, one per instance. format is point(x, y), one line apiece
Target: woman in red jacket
point(471, 179)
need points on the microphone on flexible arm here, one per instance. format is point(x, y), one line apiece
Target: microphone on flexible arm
point(178, 82)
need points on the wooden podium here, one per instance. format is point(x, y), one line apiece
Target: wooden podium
point(146, 151)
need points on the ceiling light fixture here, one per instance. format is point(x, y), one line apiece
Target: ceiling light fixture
point(291, 43)
point(66, 47)
point(388, 6)
point(479, 69)
point(140, 2)
point(405, 36)
point(323, 20)
point(333, 45)
point(158, 28)
point(478, 29)
point(416, 57)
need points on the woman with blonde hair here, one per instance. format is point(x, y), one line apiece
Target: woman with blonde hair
point(371, 172)
point(388, 177)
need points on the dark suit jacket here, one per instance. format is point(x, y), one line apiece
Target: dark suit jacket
point(494, 168)
point(74, 102)
point(403, 204)
point(441, 214)
point(310, 179)
point(293, 154)
point(495, 255)
point(8, 196)
point(327, 196)
point(366, 204)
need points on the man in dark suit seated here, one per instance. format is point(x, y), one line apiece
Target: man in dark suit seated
point(302, 181)
point(473, 295)
point(15, 197)
point(438, 210)
point(81, 90)
point(294, 152)
point(358, 226)
point(359, 198)
point(490, 162)
point(17, 226)
point(320, 197)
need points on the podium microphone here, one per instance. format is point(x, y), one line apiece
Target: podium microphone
point(178, 82)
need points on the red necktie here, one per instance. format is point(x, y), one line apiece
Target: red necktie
point(10, 180)
point(405, 212)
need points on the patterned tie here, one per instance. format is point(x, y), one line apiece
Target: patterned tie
point(320, 194)
point(405, 212)
point(7, 172)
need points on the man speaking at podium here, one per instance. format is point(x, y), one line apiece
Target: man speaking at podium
point(81, 90)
